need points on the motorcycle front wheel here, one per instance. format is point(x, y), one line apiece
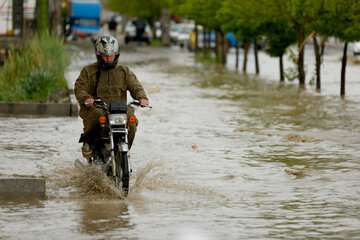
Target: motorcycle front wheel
point(122, 171)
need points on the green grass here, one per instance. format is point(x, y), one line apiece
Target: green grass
point(206, 56)
point(156, 43)
point(35, 72)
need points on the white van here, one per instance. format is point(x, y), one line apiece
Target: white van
point(356, 48)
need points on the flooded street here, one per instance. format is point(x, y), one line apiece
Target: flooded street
point(219, 156)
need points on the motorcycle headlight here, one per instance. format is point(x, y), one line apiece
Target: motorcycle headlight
point(118, 119)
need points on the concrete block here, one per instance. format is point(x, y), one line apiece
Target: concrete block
point(74, 110)
point(22, 187)
point(40, 109)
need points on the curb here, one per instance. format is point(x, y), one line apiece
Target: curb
point(22, 187)
point(40, 109)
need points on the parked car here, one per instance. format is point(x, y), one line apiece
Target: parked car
point(158, 31)
point(184, 34)
point(180, 33)
point(174, 32)
point(138, 31)
point(191, 42)
point(356, 48)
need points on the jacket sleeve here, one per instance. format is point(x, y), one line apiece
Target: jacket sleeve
point(82, 87)
point(134, 86)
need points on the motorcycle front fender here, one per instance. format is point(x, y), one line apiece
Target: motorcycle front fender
point(124, 147)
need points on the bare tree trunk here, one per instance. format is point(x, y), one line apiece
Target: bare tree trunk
point(223, 49)
point(204, 39)
point(281, 64)
point(246, 51)
point(237, 57)
point(18, 17)
point(322, 46)
point(220, 49)
point(257, 67)
point(42, 17)
point(55, 9)
point(165, 27)
point(217, 46)
point(124, 21)
point(301, 47)
point(209, 39)
point(153, 27)
point(343, 70)
point(196, 38)
point(318, 63)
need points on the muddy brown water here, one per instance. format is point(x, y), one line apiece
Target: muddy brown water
point(219, 156)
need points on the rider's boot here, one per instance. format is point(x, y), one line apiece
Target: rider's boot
point(87, 151)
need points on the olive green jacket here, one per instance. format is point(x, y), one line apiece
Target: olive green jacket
point(112, 85)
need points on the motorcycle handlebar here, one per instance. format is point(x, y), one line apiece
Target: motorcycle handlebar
point(100, 103)
point(137, 104)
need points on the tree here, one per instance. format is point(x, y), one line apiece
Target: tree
point(297, 14)
point(318, 25)
point(343, 22)
point(204, 12)
point(280, 35)
point(242, 18)
point(147, 9)
point(301, 14)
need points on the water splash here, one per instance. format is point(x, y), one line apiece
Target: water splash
point(84, 182)
point(144, 173)
point(89, 182)
point(152, 177)
point(92, 181)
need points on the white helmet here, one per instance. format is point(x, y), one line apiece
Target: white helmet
point(107, 45)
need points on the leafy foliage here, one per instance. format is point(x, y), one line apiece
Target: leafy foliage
point(280, 35)
point(341, 19)
point(34, 73)
point(204, 12)
point(147, 9)
point(281, 22)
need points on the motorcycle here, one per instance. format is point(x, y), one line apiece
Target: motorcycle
point(109, 142)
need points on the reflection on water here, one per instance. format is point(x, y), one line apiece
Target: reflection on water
point(274, 104)
point(104, 216)
point(21, 202)
point(309, 138)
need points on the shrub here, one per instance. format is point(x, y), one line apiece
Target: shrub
point(34, 72)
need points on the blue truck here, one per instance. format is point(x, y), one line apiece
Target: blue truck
point(84, 18)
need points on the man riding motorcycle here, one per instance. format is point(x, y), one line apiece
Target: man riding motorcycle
point(108, 81)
